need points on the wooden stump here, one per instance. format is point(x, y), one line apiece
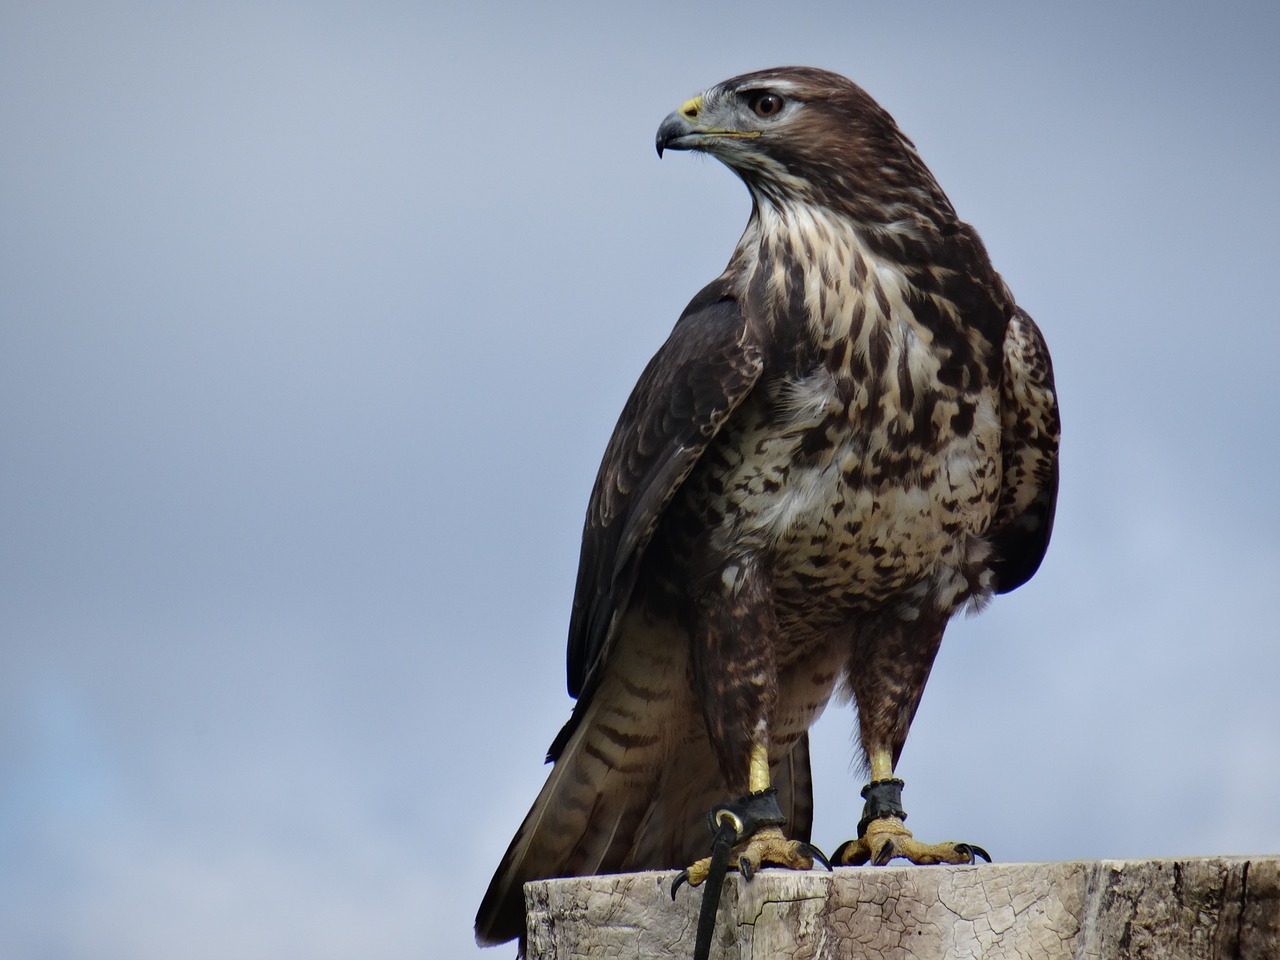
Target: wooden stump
point(1216, 907)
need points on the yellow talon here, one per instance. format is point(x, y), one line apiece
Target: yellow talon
point(888, 839)
point(768, 847)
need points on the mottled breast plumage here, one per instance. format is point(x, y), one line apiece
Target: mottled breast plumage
point(867, 468)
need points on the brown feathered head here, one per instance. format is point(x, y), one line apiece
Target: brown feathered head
point(803, 135)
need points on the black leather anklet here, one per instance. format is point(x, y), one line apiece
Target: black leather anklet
point(884, 799)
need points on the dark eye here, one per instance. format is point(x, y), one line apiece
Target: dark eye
point(765, 104)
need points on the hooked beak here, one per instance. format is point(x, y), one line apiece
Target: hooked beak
point(677, 131)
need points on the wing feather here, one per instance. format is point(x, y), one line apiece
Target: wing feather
point(1030, 431)
point(697, 379)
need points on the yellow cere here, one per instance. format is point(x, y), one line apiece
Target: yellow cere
point(690, 108)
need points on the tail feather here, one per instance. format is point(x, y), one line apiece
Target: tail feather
point(664, 829)
point(794, 781)
point(601, 787)
point(633, 783)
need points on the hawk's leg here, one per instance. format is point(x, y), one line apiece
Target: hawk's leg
point(747, 834)
point(888, 667)
point(735, 677)
point(882, 836)
point(751, 828)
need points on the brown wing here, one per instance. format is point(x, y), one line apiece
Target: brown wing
point(1030, 430)
point(707, 366)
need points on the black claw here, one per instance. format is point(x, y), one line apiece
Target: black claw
point(746, 869)
point(816, 854)
point(974, 852)
point(681, 877)
point(838, 854)
point(885, 854)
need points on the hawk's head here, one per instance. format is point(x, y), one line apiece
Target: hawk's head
point(803, 135)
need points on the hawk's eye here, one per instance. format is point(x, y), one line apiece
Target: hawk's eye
point(765, 104)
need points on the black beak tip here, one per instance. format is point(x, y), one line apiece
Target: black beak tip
point(671, 133)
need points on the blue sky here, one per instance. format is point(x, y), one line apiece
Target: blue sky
point(314, 322)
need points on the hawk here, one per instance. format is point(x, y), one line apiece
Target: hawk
point(850, 435)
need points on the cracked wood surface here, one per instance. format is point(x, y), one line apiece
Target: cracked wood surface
point(1216, 907)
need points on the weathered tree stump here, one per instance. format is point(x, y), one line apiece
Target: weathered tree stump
point(1217, 907)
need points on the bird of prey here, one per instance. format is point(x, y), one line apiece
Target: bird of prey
point(850, 435)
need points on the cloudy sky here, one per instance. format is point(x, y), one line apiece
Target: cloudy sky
point(315, 319)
